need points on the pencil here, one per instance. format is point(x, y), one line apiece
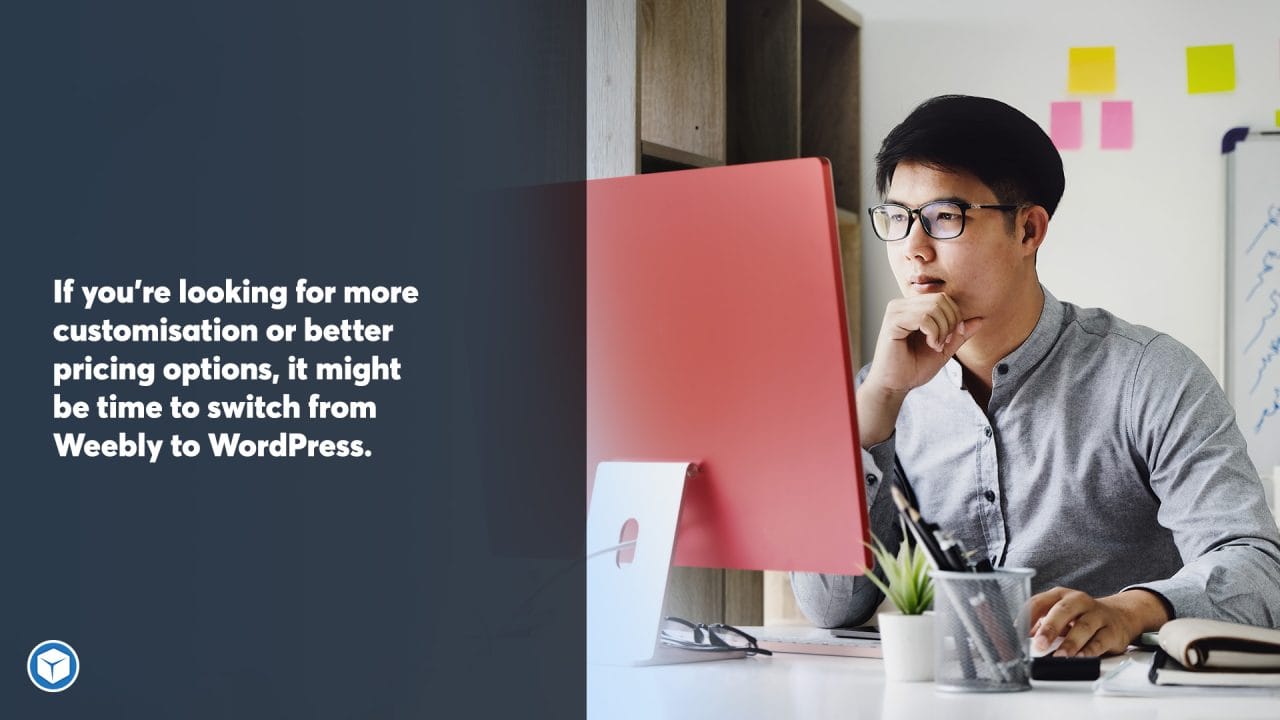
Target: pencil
point(927, 541)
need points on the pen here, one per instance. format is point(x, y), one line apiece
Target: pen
point(953, 550)
point(967, 617)
point(925, 539)
point(983, 616)
point(999, 630)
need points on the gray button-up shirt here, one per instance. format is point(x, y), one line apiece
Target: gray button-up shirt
point(1108, 458)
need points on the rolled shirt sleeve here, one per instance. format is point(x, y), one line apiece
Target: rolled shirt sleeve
point(1210, 495)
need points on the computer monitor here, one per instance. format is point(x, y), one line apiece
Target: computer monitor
point(716, 333)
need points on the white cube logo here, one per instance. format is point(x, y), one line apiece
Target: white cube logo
point(53, 665)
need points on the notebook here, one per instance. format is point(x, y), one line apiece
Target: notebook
point(1131, 678)
point(1167, 671)
point(1212, 645)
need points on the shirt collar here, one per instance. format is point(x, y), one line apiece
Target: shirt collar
point(1042, 338)
point(1031, 351)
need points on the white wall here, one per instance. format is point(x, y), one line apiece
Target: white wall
point(1138, 232)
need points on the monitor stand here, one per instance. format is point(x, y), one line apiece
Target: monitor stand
point(631, 534)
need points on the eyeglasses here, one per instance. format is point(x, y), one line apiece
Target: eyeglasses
point(942, 219)
point(717, 637)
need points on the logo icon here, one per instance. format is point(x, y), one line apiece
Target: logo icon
point(53, 666)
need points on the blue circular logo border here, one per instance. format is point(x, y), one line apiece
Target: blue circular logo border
point(65, 682)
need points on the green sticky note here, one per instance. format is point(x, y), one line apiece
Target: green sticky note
point(1211, 68)
point(1091, 70)
point(1278, 118)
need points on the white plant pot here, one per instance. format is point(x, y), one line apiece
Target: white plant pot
point(907, 642)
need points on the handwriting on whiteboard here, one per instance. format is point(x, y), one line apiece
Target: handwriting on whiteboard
point(1268, 264)
point(1273, 221)
point(1273, 307)
point(1273, 350)
point(1268, 411)
point(1265, 306)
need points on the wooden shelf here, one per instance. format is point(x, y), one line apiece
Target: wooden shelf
point(845, 215)
point(829, 109)
point(763, 80)
point(682, 71)
point(660, 158)
point(849, 224)
point(838, 14)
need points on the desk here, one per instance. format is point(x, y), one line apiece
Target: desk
point(816, 686)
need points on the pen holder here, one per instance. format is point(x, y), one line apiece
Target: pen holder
point(982, 627)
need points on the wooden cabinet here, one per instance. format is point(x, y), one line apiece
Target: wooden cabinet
point(678, 84)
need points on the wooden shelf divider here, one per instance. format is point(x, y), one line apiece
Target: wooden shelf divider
point(675, 156)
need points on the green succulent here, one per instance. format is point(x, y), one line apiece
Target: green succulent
point(909, 586)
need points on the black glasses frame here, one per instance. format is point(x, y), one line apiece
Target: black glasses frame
point(918, 212)
point(708, 638)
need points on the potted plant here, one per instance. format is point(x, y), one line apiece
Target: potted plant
point(906, 637)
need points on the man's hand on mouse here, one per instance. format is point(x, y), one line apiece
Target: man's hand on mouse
point(1091, 626)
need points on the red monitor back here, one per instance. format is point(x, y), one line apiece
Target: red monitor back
point(716, 333)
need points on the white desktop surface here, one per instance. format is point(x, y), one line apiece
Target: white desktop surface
point(814, 686)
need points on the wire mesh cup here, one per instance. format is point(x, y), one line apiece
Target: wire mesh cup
point(982, 642)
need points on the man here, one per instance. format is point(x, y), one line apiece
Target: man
point(1041, 434)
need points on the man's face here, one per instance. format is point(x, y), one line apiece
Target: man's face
point(980, 268)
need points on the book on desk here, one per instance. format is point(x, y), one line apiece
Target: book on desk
point(1199, 657)
point(1215, 653)
point(1167, 671)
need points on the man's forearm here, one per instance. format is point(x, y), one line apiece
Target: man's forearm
point(877, 413)
point(1143, 609)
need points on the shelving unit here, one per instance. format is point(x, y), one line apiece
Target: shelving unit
point(682, 79)
point(679, 84)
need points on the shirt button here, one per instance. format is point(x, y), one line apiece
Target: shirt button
point(989, 495)
point(986, 431)
point(1002, 369)
point(871, 479)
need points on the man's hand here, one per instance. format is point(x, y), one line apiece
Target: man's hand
point(1090, 626)
point(918, 336)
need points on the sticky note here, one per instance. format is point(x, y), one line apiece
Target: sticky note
point(1065, 124)
point(1117, 124)
point(1091, 70)
point(1278, 118)
point(1211, 68)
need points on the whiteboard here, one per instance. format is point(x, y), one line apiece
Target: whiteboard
point(1253, 292)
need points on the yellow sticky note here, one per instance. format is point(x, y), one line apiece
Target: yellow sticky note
point(1211, 68)
point(1091, 70)
point(1278, 118)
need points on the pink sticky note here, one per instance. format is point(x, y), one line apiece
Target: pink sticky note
point(1064, 125)
point(1117, 124)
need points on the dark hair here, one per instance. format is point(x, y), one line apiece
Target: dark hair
point(986, 138)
